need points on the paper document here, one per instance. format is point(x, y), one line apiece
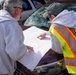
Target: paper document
point(31, 59)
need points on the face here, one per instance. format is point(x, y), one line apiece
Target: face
point(18, 11)
point(51, 17)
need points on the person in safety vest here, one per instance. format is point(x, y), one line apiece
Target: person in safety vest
point(63, 34)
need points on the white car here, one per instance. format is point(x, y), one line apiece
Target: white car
point(29, 6)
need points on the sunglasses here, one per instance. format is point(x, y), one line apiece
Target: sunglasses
point(19, 8)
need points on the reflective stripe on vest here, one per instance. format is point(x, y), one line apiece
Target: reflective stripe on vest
point(72, 62)
point(67, 38)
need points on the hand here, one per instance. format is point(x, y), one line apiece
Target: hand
point(42, 36)
point(30, 48)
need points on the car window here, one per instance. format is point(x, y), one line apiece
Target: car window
point(37, 18)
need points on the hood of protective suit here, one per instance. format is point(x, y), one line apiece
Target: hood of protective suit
point(4, 16)
point(66, 18)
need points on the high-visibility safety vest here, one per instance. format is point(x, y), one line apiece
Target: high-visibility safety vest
point(67, 38)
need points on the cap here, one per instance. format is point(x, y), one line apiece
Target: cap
point(54, 9)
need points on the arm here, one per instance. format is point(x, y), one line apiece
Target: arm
point(15, 47)
point(56, 46)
